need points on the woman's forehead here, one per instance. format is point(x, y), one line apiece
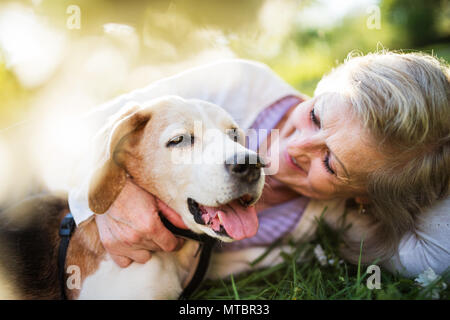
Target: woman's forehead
point(345, 135)
point(332, 102)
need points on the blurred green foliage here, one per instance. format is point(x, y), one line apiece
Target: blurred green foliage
point(419, 22)
point(407, 25)
point(305, 55)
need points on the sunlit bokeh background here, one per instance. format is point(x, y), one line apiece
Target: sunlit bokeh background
point(60, 59)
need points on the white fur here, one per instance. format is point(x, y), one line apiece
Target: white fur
point(162, 277)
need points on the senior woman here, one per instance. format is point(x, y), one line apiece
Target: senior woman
point(375, 134)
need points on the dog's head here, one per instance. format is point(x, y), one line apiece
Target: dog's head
point(191, 155)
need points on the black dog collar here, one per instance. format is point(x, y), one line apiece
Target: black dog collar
point(65, 232)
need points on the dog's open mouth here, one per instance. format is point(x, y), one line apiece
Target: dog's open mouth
point(235, 219)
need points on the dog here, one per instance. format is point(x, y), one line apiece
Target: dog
point(208, 176)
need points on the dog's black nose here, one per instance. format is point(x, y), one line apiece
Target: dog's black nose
point(244, 166)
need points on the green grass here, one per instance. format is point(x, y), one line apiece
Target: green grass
point(306, 280)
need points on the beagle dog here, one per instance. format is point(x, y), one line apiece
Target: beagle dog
point(188, 153)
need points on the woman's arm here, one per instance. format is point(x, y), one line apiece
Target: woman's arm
point(429, 247)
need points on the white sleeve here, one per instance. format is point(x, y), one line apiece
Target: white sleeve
point(428, 247)
point(239, 86)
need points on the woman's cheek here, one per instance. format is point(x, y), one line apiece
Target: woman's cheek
point(319, 182)
point(272, 157)
point(287, 130)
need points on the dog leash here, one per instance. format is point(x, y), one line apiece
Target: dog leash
point(66, 229)
point(207, 243)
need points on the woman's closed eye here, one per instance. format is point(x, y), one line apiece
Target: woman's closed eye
point(314, 118)
point(326, 164)
point(326, 160)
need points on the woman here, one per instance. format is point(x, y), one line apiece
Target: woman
point(377, 132)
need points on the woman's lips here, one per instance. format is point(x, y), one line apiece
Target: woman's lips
point(292, 164)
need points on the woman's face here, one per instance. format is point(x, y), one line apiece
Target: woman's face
point(322, 150)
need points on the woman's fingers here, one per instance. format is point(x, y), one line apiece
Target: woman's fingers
point(140, 256)
point(139, 210)
point(164, 238)
point(146, 232)
point(127, 237)
point(122, 251)
point(171, 215)
point(132, 228)
point(121, 261)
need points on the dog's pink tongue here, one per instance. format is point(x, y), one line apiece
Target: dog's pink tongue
point(239, 222)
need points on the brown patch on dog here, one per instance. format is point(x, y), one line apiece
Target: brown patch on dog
point(85, 251)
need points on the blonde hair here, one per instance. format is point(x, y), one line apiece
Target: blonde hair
point(402, 100)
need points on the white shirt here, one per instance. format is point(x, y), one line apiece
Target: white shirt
point(244, 88)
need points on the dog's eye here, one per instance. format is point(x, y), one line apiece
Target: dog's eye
point(180, 140)
point(233, 134)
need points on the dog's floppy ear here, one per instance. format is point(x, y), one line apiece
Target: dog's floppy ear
point(118, 138)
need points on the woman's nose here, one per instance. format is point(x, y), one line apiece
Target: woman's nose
point(306, 141)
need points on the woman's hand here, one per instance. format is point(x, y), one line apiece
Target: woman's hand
point(131, 228)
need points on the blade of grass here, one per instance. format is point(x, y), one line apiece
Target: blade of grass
point(233, 285)
point(358, 275)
